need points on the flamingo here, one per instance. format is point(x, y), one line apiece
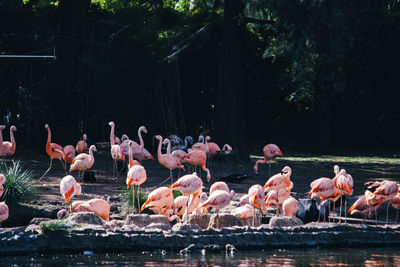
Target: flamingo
point(167, 160)
point(2, 181)
point(280, 180)
point(54, 150)
point(325, 189)
point(189, 185)
point(256, 198)
point(69, 154)
point(197, 157)
point(219, 186)
point(385, 190)
point(159, 198)
point(178, 154)
point(69, 188)
point(98, 206)
point(395, 202)
point(116, 153)
point(244, 200)
point(139, 152)
point(202, 199)
point(82, 146)
point(361, 206)
point(9, 147)
point(83, 161)
point(3, 211)
point(218, 200)
point(276, 198)
point(135, 176)
point(344, 183)
point(290, 207)
point(270, 151)
point(200, 145)
point(244, 212)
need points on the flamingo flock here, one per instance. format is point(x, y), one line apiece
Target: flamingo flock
point(275, 193)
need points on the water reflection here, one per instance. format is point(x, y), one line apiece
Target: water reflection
point(279, 258)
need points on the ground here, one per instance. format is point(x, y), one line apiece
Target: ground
point(304, 170)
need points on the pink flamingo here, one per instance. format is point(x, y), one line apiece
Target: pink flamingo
point(197, 157)
point(82, 146)
point(218, 200)
point(244, 200)
point(139, 152)
point(83, 161)
point(69, 188)
point(385, 190)
point(219, 186)
point(178, 154)
point(344, 183)
point(256, 198)
point(201, 145)
point(324, 188)
point(361, 206)
point(290, 207)
point(54, 151)
point(9, 147)
point(135, 176)
point(116, 153)
point(276, 198)
point(69, 154)
point(167, 160)
point(280, 180)
point(98, 206)
point(2, 181)
point(159, 198)
point(395, 202)
point(244, 212)
point(189, 185)
point(270, 151)
point(3, 211)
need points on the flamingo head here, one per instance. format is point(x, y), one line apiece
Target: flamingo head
point(124, 137)
point(166, 141)
point(93, 148)
point(2, 127)
point(208, 138)
point(201, 138)
point(189, 139)
point(158, 137)
point(13, 128)
point(286, 171)
point(46, 126)
point(336, 169)
point(84, 137)
point(111, 123)
point(143, 129)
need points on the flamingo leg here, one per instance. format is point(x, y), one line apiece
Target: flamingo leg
point(138, 200)
point(333, 212)
point(397, 216)
point(63, 167)
point(376, 217)
point(345, 210)
point(133, 199)
point(269, 170)
point(387, 212)
point(51, 161)
point(254, 215)
point(187, 210)
point(340, 210)
point(119, 173)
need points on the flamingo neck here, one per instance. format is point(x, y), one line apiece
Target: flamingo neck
point(159, 154)
point(141, 146)
point(91, 153)
point(169, 147)
point(1, 140)
point(48, 144)
point(206, 144)
point(131, 162)
point(13, 144)
point(112, 137)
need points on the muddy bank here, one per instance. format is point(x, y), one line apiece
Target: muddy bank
point(118, 236)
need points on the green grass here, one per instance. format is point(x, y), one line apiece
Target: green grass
point(55, 226)
point(128, 197)
point(338, 159)
point(19, 184)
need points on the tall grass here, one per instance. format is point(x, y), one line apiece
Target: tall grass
point(128, 197)
point(19, 184)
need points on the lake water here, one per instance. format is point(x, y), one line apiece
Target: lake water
point(281, 257)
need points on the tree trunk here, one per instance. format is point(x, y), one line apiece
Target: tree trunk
point(229, 122)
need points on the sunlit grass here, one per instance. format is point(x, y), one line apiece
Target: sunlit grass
point(55, 226)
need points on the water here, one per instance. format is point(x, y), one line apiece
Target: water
point(282, 257)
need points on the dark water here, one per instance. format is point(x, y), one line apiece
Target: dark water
point(290, 257)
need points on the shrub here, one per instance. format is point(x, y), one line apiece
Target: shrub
point(55, 226)
point(19, 184)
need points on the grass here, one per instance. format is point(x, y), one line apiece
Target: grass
point(55, 226)
point(19, 184)
point(128, 197)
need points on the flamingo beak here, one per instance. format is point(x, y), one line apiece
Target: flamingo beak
point(151, 157)
point(280, 152)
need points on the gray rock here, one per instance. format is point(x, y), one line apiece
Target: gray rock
point(141, 220)
point(201, 220)
point(116, 223)
point(186, 227)
point(159, 226)
point(284, 221)
point(249, 221)
point(224, 220)
point(86, 217)
point(39, 220)
point(160, 219)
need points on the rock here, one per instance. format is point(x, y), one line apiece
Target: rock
point(141, 220)
point(38, 220)
point(34, 228)
point(161, 219)
point(184, 226)
point(284, 221)
point(224, 220)
point(116, 223)
point(249, 221)
point(159, 226)
point(86, 217)
point(201, 220)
